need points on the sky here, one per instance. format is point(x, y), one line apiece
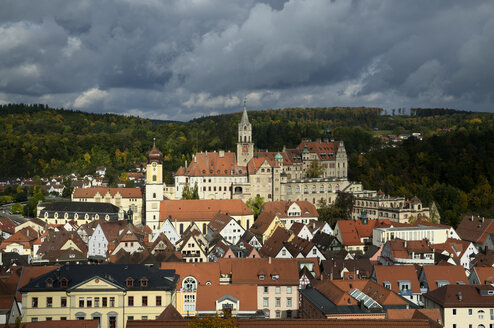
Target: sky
point(182, 59)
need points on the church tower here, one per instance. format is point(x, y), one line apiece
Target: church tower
point(154, 187)
point(245, 146)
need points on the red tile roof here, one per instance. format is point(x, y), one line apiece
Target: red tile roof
point(211, 164)
point(7, 225)
point(207, 295)
point(448, 296)
point(262, 223)
point(451, 273)
point(247, 271)
point(485, 274)
point(395, 273)
point(329, 148)
point(91, 192)
point(202, 271)
point(280, 208)
point(475, 229)
point(190, 210)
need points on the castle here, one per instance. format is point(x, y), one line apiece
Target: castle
point(313, 171)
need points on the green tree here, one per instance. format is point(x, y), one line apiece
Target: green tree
point(67, 191)
point(17, 208)
point(344, 203)
point(315, 170)
point(223, 321)
point(255, 205)
point(30, 209)
point(195, 191)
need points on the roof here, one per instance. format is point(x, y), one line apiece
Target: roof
point(336, 266)
point(79, 207)
point(7, 225)
point(256, 162)
point(22, 275)
point(324, 150)
point(262, 223)
point(116, 274)
point(207, 295)
point(433, 315)
point(203, 209)
point(275, 242)
point(251, 270)
point(485, 274)
point(450, 273)
point(24, 237)
point(395, 273)
point(475, 228)
point(91, 192)
point(169, 313)
point(62, 324)
point(454, 247)
point(202, 271)
point(280, 208)
point(462, 296)
point(55, 240)
point(218, 222)
point(154, 155)
point(212, 164)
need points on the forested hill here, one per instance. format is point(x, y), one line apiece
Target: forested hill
point(456, 151)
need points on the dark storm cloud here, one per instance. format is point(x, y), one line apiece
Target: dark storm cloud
point(185, 58)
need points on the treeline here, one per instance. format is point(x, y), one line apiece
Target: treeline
point(456, 170)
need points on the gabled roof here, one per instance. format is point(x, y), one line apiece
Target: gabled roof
point(262, 223)
point(453, 247)
point(7, 225)
point(91, 192)
point(336, 266)
point(169, 313)
point(450, 273)
point(55, 240)
point(203, 272)
point(212, 164)
point(280, 208)
point(218, 222)
point(275, 243)
point(257, 162)
point(24, 237)
point(462, 296)
point(432, 315)
point(485, 274)
point(194, 210)
point(394, 273)
point(323, 241)
point(246, 294)
point(475, 229)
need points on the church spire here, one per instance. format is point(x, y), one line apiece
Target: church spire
point(245, 118)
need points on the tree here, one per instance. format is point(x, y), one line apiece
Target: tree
point(315, 170)
point(30, 209)
point(67, 191)
point(344, 202)
point(223, 321)
point(329, 213)
point(255, 205)
point(186, 193)
point(195, 191)
point(17, 208)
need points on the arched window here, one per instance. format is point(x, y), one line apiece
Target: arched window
point(154, 177)
point(129, 282)
point(189, 284)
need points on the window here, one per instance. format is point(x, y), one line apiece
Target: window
point(314, 251)
point(261, 277)
point(81, 302)
point(144, 301)
point(49, 318)
point(49, 283)
point(63, 318)
point(454, 311)
point(278, 301)
point(104, 302)
point(265, 302)
point(130, 281)
point(189, 284)
point(265, 289)
point(189, 298)
point(289, 290)
point(130, 301)
point(34, 319)
point(49, 302)
point(470, 311)
point(112, 321)
point(130, 317)
point(144, 317)
point(278, 314)
point(289, 301)
point(158, 300)
point(112, 301)
point(387, 284)
point(278, 290)
point(63, 283)
point(481, 314)
point(34, 303)
point(63, 302)
point(89, 302)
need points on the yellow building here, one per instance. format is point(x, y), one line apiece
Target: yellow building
point(111, 294)
point(265, 225)
point(80, 212)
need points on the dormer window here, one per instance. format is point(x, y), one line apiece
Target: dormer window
point(275, 276)
point(441, 283)
point(387, 284)
point(49, 283)
point(63, 283)
point(129, 282)
point(144, 282)
point(261, 276)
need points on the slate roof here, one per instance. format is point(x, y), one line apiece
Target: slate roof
point(116, 274)
point(91, 192)
point(81, 208)
point(471, 296)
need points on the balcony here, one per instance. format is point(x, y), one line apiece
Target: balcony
point(405, 292)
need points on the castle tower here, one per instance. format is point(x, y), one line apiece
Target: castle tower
point(245, 146)
point(154, 187)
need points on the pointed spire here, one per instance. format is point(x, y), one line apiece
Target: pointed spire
point(245, 118)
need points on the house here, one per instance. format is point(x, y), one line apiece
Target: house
point(111, 294)
point(129, 200)
point(326, 242)
point(191, 276)
point(80, 212)
point(401, 279)
point(321, 226)
point(7, 227)
point(36, 224)
point(20, 242)
point(301, 230)
point(345, 299)
point(277, 282)
point(481, 276)
point(346, 268)
point(61, 246)
point(432, 277)
point(402, 252)
point(101, 171)
point(239, 300)
point(9, 309)
point(251, 239)
point(182, 213)
point(265, 225)
point(436, 235)
point(292, 212)
point(457, 252)
point(169, 230)
point(225, 226)
point(100, 241)
point(130, 241)
point(475, 229)
point(193, 245)
point(276, 245)
point(463, 305)
point(433, 316)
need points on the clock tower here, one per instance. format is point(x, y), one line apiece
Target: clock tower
point(245, 146)
point(154, 187)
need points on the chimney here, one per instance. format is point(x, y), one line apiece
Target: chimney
point(460, 297)
point(270, 260)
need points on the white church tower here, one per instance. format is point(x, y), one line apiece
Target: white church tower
point(245, 146)
point(154, 187)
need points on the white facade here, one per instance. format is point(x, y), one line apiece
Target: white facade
point(154, 194)
point(436, 235)
point(97, 244)
point(169, 231)
point(232, 232)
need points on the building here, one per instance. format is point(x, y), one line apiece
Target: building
point(402, 252)
point(401, 279)
point(292, 212)
point(475, 229)
point(225, 226)
point(111, 294)
point(436, 235)
point(432, 277)
point(154, 188)
point(127, 199)
point(274, 176)
point(463, 305)
point(481, 276)
point(80, 212)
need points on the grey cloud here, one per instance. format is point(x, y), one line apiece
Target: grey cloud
point(178, 59)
